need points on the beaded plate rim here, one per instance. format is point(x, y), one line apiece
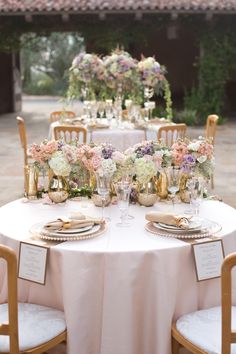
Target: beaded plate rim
point(152, 229)
point(102, 229)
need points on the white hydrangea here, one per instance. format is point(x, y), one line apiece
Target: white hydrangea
point(59, 164)
point(106, 168)
point(145, 170)
point(202, 158)
point(194, 146)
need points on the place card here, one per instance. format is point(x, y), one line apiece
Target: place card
point(208, 257)
point(32, 262)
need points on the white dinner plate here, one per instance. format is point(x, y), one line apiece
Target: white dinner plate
point(194, 224)
point(71, 231)
point(39, 230)
point(209, 228)
point(178, 230)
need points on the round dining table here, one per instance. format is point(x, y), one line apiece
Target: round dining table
point(120, 137)
point(119, 291)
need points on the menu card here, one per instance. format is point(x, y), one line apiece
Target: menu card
point(208, 257)
point(32, 262)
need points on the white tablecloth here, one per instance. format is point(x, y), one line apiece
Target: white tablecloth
point(120, 291)
point(121, 139)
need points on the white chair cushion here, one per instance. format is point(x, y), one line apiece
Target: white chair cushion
point(203, 328)
point(37, 325)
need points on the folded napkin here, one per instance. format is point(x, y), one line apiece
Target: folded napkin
point(75, 223)
point(180, 221)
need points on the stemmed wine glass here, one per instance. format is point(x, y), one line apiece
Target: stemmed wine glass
point(196, 187)
point(173, 177)
point(103, 188)
point(123, 189)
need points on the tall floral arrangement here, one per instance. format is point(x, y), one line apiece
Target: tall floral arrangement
point(194, 155)
point(121, 72)
point(86, 76)
point(153, 76)
point(148, 158)
point(152, 73)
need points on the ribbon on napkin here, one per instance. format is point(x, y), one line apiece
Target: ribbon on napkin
point(181, 221)
point(65, 223)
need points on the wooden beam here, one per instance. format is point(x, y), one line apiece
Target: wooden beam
point(28, 18)
point(138, 15)
point(102, 16)
point(65, 17)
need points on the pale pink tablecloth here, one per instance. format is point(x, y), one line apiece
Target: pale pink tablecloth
point(121, 139)
point(120, 291)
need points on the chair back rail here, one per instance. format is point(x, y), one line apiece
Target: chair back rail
point(69, 133)
point(23, 138)
point(211, 123)
point(170, 133)
point(57, 115)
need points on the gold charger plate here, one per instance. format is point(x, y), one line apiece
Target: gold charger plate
point(210, 228)
point(37, 230)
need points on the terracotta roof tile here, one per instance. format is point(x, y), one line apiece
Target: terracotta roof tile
point(7, 6)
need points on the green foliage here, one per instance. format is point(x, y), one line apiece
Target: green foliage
point(186, 116)
point(218, 53)
point(50, 55)
point(40, 84)
point(167, 97)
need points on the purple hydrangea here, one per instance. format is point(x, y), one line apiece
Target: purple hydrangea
point(145, 150)
point(107, 151)
point(189, 162)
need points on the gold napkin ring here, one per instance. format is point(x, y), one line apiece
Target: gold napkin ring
point(66, 224)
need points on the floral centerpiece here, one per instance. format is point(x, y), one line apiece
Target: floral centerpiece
point(56, 155)
point(102, 159)
point(194, 155)
point(148, 158)
point(86, 76)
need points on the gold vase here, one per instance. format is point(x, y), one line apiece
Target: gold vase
point(183, 190)
point(147, 194)
point(31, 181)
point(58, 189)
point(162, 185)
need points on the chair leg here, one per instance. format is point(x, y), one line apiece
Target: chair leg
point(175, 346)
point(212, 182)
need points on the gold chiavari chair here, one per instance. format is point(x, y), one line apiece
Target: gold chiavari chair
point(57, 115)
point(171, 132)
point(210, 133)
point(25, 323)
point(70, 133)
point(23, 139)
point(211, 123)
point(209, 330)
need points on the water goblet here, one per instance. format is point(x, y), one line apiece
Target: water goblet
point(103, 188)
point(123, 192)
point(196, 193)
point(173, 178)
